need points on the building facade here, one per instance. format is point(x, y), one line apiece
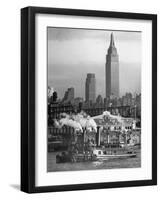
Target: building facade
point(69, 95)
point(112, 70)
point(90, 88)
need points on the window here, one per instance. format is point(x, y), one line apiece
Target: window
point(99, 152)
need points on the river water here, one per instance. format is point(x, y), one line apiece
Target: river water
point(52, 166)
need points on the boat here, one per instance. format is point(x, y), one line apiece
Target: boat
point(79, 157)
point(94, 155)
point(113, 154)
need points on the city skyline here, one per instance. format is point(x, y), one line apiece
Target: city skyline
point(76, 69)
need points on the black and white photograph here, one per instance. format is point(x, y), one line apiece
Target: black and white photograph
point(89, 99)
point(93, 99)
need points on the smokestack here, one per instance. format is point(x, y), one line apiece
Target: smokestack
point(83, 135)
point(98, 136)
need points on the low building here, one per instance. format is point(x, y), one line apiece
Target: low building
point(55, 108)
point(115, 122)
point(117, 129)
point(135, 137)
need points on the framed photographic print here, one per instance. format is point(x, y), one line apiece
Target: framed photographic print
point(88, 99)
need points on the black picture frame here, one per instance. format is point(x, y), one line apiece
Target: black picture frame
point(28, 98)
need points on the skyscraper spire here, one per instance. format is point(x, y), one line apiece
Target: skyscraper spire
point(112, 44)
point(112, 49)
point(112, 70)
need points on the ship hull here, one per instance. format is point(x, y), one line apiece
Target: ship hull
point(107, 157)
point(91, 157)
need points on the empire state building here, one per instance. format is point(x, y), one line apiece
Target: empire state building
point(112, 70)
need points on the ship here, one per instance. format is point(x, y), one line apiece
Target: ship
point(96, 154)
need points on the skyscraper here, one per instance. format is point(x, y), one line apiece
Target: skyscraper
point(90, 88)
point(69, 95)
point(112, 70)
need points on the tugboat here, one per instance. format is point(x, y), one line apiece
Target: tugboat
point(75, 157)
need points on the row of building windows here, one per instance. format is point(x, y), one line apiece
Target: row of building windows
point(63, 130)
point(57, 109)
point(66, 130)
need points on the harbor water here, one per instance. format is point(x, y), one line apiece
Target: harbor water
point(115, 163)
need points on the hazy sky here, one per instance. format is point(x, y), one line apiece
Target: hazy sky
point(72, 53)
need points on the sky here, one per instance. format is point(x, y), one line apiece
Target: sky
point(72, 53)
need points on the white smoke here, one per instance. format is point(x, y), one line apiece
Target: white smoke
point(108, 114)
point(50, 91)
point(78, 121)
point(71, 123)
point(91, 124)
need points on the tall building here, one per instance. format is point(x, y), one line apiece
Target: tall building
point(90, 88)
point(69, 95)
point(112, 70)
point(99, 100)
point(127, 99)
